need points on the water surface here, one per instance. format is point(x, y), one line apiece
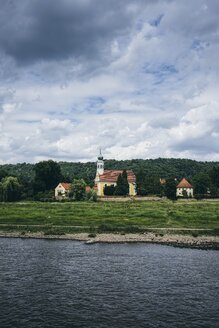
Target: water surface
point(48, 283)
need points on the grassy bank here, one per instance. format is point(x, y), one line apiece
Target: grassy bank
point(61, 218)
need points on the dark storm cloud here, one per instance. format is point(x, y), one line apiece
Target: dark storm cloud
point(47, 29)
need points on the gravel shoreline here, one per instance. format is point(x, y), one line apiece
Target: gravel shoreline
point(200, 242)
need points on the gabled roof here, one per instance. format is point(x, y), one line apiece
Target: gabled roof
point(66, 185)
point(184, 184)
point(112, 176)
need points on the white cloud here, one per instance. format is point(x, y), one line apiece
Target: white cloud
point(154, 94)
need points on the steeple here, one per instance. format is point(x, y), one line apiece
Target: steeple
point(100, 164)
point(100, 157)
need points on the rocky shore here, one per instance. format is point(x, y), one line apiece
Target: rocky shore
point(200, 242)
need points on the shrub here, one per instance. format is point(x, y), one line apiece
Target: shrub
point(109, 190)
point(106, 227)
point(78, 190)
point(91, 196)
point(53, 231)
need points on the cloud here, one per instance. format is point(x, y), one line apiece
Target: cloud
point(47, 30)
point(138, 78)
point(198, 129)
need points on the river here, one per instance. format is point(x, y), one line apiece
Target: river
point(61, 283)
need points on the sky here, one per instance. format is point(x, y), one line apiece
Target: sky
point(136, 78)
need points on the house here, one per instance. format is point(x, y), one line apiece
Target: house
point(62, 190)
point(184, 189)
point(109, 177)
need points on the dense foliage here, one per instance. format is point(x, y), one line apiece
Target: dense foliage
point(38, 181)
point(109, 190)
point(78, 189)
point(148, 184)
point(170, 188)
point(163, 167)
point(122, 185)
point(47, 175)
point(10, 189)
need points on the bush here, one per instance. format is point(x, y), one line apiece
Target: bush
point(106, 227)
point(91, 196)
point(78, 190)
point(53, 231)
point(46, 196)
point(109, 190)
point(199, 196)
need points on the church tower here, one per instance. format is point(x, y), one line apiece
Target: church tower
point(100, 164)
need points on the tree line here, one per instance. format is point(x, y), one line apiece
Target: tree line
point(37, 182)
point(164, 168)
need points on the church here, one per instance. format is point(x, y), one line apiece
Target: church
point(109, 177)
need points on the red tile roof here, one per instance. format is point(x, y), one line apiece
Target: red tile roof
point(66, 185)
point(112, 176)
point(184, 184)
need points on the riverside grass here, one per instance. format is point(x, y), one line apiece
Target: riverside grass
point(193, 217)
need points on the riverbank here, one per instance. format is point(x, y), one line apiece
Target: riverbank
point(113, 217)
point(200, 242)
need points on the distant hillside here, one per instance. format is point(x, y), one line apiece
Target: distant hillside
point(162, 167)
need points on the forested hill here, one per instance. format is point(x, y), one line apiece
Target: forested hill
point(161, 167)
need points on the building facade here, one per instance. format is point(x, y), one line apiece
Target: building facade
point(184, 189)
point(62, 190)
point(109, 177)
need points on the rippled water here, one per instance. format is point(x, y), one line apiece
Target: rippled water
point(46, 283)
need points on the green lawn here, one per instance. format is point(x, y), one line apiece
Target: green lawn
point(109, 216)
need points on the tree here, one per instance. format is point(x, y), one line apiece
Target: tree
point(10, 189)
point(152, 185)
point(109, 190)
point(202, 185)
point(3, 174)
point(148, 184)
point(141, 183)
point(122, 185)
point(91, 195)
point(78, 189)
point(125, 182)
point(47, 175)
point(214, 176)
point(170, 188)
point(2, 198)
point(119, 187)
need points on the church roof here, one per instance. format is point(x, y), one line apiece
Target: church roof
point(184, 184)
point(112, 176)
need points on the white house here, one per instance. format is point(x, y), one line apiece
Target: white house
point(62, 190)
point(184, 189)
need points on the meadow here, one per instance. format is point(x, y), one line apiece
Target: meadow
point(133, 216)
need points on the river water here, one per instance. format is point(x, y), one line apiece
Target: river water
point(60, 283)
